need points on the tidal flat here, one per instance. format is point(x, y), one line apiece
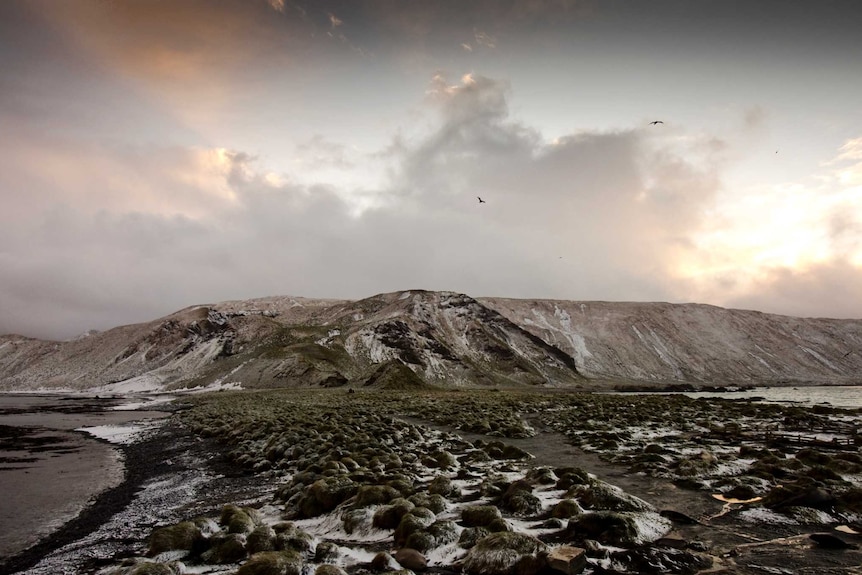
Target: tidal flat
point(506, 482)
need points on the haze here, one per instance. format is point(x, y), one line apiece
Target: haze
point(162, 154)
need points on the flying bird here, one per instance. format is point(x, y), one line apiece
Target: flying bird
point(654, 122)
point(481, 201)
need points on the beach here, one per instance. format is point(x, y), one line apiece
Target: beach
point(51, 467)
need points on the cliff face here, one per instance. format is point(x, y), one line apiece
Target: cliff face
point(691, 342)
point(445, 339)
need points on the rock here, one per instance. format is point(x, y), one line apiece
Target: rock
point(433, 501)
point(443, 486)
point(272, 563)
point(239, 519)
point(649, 560)
point(471, 535)
point(542, 476)
point(624, 529)
point(261, 539)
point(383, 561)
point(411, 559)
point(389, 516)
point(519, 499)
point(570, 476)
point(180, 536)
point(479, 515)
point(567, 559)
point(226, 548)
point(566, 508)
point(325, 494)
point(297, 540)
point(443, 533)
point(604, 496)
point(513, 452)
point(375, 495)
point(829, 541)
point(326, 552)
point(410, 524)
point(505, 554)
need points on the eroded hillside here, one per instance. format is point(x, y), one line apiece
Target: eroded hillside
point(416, 338)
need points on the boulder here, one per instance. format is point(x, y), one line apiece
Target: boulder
point(472, 535)
point(326, 552)
point(566, 508)
point(375, 495)
point(658, 561)
point(383, 561)
point(272, 563)
point(389, 516)
point(443, 486)
point(604, 496)
point(625, 529)
point(225, 548)
point(239, 519)
point(409, 524)
point(567, 559)
point(433, 501)
point(411, 559)
point(506, 553)
point(182, 536)
point(325, 494)
point(519, 499)
point(479, 515)
point(261, 539)
point(328, 569)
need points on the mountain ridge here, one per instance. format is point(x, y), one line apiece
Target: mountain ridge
point(443, 338)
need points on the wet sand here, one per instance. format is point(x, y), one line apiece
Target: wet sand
point(49, 472)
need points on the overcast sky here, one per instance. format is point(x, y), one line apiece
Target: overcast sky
point(156, 155)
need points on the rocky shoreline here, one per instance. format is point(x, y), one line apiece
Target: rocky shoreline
point(328, 482)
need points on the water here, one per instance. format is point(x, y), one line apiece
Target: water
point(835, 396)
point(49, 469)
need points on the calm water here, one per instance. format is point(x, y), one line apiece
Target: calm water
point(836, 396)
point(48, 470)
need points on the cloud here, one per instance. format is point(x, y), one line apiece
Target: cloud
point(825, 289)
point(107, 235)
point(483, 39)
point(783, 247)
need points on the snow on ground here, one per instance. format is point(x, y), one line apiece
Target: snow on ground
point(146, 383)
point(122, 434)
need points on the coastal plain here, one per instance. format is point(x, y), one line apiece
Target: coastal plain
point(499, 481)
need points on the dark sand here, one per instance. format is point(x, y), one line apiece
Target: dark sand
point(48, 472)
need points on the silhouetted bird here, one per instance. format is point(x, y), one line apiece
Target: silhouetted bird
point(653, 123)
point(481, 201)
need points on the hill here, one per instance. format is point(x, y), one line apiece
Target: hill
point(417, 337)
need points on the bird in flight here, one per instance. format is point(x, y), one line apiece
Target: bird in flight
point(654, 122)
point(481, 201)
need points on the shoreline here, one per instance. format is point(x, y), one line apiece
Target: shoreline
point(138, 468)
point(63, 470)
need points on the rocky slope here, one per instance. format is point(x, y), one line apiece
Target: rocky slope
point(416, 338)
point(692, 342)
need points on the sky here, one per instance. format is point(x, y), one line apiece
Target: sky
point(160, 154)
